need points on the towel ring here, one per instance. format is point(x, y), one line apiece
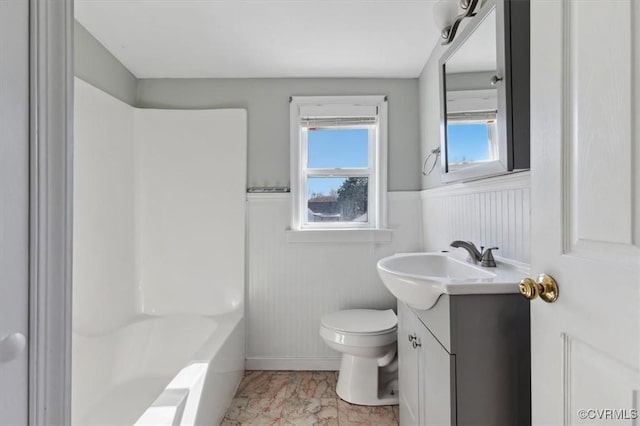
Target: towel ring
point(434, 153)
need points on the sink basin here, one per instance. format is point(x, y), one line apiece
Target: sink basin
point(418, 279)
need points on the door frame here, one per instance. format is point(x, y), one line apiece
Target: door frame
point(50, 210)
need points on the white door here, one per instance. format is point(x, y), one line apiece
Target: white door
point(14, 213)
point(585, 197)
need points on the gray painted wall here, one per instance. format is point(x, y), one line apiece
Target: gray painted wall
point(429, 90)
point(267, 102)
point(97, 66)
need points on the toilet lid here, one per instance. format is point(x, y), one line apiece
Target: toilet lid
point(363, 321)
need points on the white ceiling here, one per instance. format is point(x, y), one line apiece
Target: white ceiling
point(264, 38)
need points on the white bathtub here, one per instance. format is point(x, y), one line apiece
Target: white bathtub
point(164, 370)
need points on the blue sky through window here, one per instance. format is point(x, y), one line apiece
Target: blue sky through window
point(467, 142)
point(335, 148)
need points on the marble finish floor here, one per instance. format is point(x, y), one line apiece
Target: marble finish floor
point(299, 398)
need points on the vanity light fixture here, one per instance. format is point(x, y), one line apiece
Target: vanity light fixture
point(445, 13)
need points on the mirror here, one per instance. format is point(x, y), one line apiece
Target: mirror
point(477, 112)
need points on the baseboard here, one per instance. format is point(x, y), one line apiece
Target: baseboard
point(311, 364)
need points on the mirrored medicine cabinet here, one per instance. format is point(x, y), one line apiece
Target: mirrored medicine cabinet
point(484, 94)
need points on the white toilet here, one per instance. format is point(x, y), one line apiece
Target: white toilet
point(367, 340)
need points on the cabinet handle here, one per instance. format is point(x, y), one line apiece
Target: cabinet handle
point(416, 344)
point(412, 337)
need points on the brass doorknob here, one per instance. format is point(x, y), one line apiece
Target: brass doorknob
point(545, 287)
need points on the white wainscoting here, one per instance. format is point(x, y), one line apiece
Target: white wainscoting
point(292, 284)
point(493, 212)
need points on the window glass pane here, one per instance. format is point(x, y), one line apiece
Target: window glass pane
point(338, 148)
point(337, 199)
point(470, 142)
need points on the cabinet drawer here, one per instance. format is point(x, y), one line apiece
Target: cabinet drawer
point(438, 321)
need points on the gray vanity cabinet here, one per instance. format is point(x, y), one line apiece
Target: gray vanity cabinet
point(466, 361)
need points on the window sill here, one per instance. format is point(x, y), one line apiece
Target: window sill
point(339, 235)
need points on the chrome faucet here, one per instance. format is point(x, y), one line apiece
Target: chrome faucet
point(485, 257)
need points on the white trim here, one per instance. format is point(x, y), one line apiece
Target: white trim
point(308, 364)
point(294, 161)
point(51, 198)
point(382, 160)
point(498, 183)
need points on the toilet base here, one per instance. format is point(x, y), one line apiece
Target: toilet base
point(363, 382)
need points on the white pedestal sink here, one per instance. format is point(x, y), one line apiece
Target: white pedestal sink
point(418, 279)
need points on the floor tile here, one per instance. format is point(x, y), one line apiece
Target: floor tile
point(243, 412)
point(268, 384)
point(396, 412)
point(282, 411)
point(299, 398)
point(316, 384)
point(352, 415)
point(311, 411)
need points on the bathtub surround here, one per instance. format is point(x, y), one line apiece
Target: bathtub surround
point(190, 183)
point(104, 270)
point(292, 285)
point(151, 202)
point(159, 210)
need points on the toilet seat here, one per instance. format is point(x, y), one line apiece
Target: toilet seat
point(365, 328)
point(361, 321)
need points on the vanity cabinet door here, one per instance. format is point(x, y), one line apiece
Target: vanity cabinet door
point(426, 369)
point(436, 367)
point(408, 373)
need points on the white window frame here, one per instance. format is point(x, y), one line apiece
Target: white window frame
point(339, 106)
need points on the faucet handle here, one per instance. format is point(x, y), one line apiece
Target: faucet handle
point(487, 259)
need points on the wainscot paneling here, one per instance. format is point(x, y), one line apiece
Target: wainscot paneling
point(292, 284)
point(492, 212)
